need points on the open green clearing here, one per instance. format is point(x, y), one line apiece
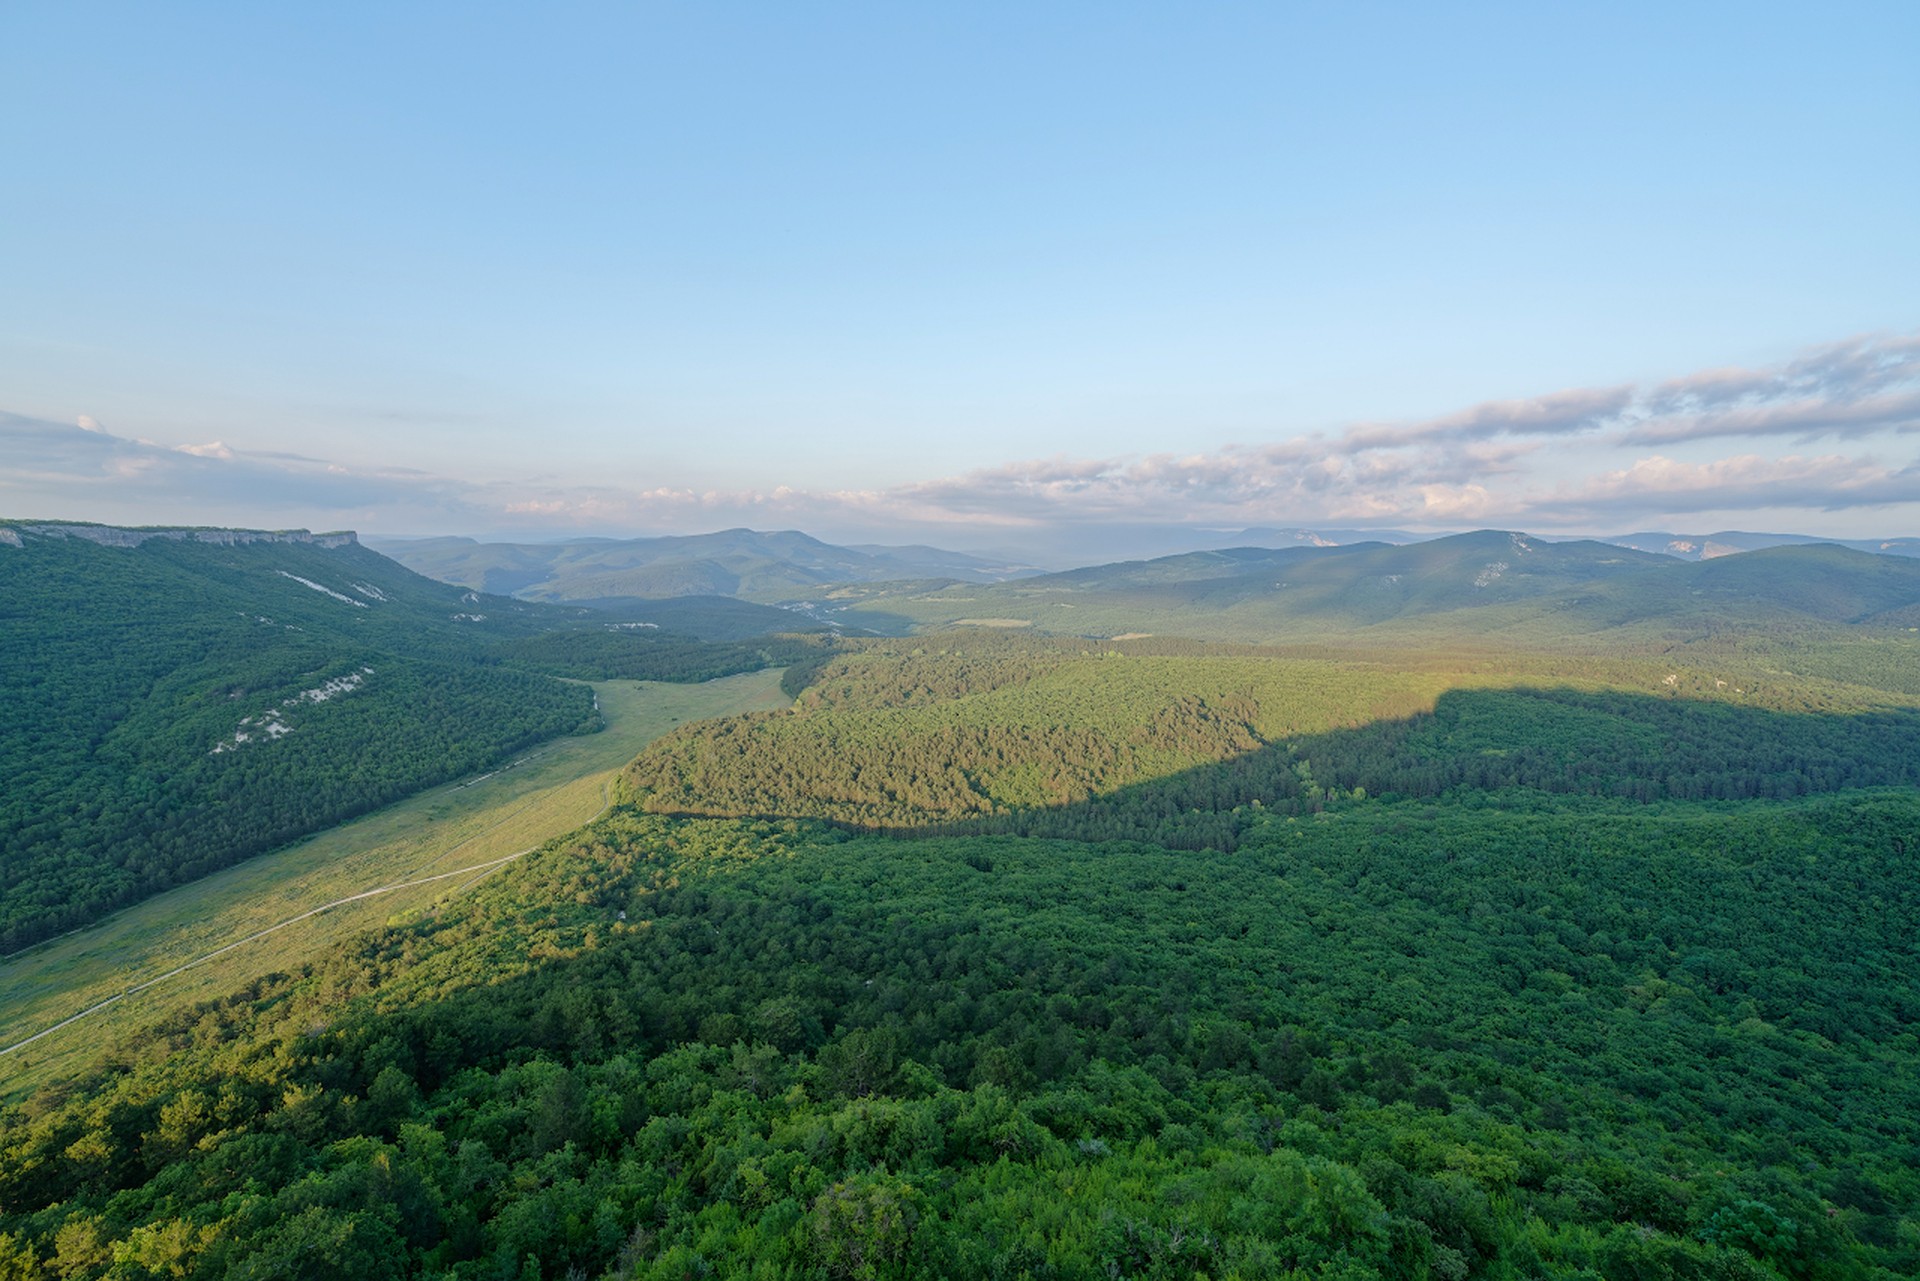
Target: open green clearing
point(1000, 957)
point(1574, 943)
point(552, 790)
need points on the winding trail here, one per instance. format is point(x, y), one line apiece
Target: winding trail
point(260, 934)
point(136, 989)
point(649, 710)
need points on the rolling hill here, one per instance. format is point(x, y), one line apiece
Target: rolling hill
point(1008, 956)
point(1539, 909)
point(740, 563)
point(1481, 587)
point(178, 699)
point(1727, 542)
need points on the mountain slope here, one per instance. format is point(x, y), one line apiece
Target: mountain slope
point(177, 700)
point(1821, 583)
point(1260, 594)
point(1727, 542)
point(1484, 586)
point(1535, 1018)
point(744, 563)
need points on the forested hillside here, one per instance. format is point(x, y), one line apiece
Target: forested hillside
point(747, 564)
point(1731, 542)
point(179, 700)
point(1611, 977)
point(1404, 1043)
point(1034, 957)
point(1486, 587)
point(984, 733)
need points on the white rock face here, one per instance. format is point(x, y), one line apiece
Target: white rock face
point(272, 723)
point(122, 536)
point(308, 582)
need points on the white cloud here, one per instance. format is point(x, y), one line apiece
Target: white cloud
point(1577, 458)
point(1831, 482)
point(1807, 418)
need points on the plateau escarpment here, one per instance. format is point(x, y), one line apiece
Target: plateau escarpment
point(136, 535)
point(137, 663)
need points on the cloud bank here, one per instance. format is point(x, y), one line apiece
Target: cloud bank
point(1832, 431)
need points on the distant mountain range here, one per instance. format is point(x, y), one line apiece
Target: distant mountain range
point(1682, 546)
point(1727, 542)
point(799, 571)
point(186, 697)
point(179, 699)
point(1472, 586)
point(1254, 584)
point(1102, 543)
point(741, 563)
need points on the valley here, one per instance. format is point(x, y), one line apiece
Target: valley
point(1481, 907)
point(183, 699)
point(1489, 588)
point(960, 643)
point(548, 793)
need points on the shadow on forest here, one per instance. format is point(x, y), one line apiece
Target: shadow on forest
point(662, 985)
point(1625, 746)
point(845, 1018)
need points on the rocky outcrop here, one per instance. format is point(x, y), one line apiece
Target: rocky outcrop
point(119, 536)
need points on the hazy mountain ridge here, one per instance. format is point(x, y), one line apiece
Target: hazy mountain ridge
point(1729, 542)
point(1474, 584)
point(1361, 581)
point(135, 535)
point(179, 699)
point(981, 917)
point(1132, 542)
point(822, 580)
point(763, 567)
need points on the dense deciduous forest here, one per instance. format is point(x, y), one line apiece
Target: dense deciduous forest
point(1467, 587)
point(603, 653)
point(176, 706)
point(964, 734)
point(1583, 1038)
point(1443, 968)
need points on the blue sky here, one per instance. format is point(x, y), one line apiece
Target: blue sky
point(961, 273)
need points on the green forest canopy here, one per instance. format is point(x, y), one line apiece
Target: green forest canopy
point(1458, 967)
point(178, 705)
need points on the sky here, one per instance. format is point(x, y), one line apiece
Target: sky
point(998, 276)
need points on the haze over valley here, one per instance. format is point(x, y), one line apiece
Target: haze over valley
point(850, 643)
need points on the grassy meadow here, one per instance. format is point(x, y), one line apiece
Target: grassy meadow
point(552, 790)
